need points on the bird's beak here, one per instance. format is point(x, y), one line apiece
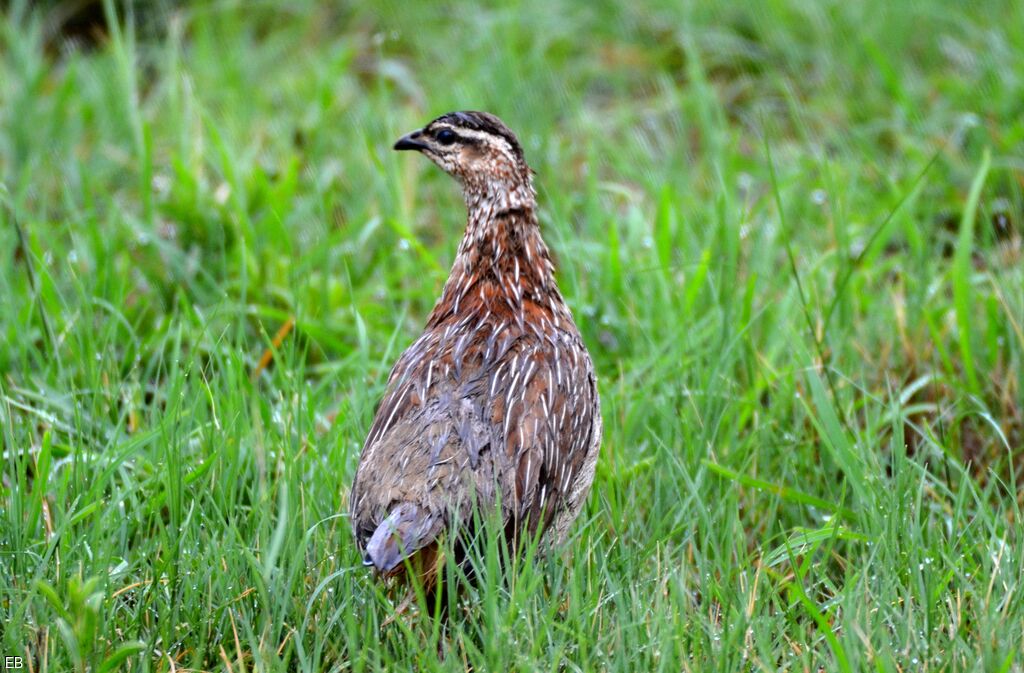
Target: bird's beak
point(411, 141)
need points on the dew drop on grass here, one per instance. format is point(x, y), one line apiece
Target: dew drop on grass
point(161, 184)
point(222, 193)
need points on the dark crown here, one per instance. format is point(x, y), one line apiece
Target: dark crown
point(481, 121)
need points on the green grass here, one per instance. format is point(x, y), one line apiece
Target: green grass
point(776, 226)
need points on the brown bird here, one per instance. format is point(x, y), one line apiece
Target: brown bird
point(496, 402)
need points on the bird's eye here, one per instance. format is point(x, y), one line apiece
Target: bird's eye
point(445, 136)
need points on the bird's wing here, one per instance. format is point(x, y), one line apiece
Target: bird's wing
point(427, 433)
point(547, 423)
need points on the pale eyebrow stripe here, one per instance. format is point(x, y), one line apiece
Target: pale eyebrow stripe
point(477, 137)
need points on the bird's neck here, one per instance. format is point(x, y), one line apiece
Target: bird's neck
point(502, 262)
point(488, 198)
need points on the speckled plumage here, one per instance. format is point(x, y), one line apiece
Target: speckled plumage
point(496, 401)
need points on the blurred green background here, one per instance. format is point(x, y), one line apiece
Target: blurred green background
point(790, 232)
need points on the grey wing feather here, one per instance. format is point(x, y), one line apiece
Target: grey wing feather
point(406, 530)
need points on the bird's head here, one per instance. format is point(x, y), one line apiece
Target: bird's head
point(476, 148)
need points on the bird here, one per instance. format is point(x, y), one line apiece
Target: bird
point(494, 408)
